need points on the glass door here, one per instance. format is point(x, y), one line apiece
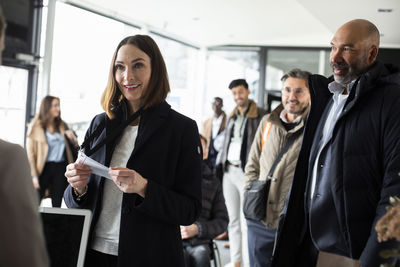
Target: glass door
point(13, 99)
point(18, 74)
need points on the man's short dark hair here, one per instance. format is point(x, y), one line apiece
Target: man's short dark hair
point(238, 82)
point(297, 73)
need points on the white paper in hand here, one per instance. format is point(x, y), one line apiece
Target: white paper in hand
point(97, 168)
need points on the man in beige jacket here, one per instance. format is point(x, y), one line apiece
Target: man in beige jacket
point(272, 134)
point(22, 243)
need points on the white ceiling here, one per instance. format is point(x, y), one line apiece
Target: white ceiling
point(305, 23)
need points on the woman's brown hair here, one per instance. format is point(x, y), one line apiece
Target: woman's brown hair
point(44, 113)
point(158, 87)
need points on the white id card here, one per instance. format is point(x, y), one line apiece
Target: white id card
point(97, 168)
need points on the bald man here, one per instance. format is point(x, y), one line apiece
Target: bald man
point(349, 163)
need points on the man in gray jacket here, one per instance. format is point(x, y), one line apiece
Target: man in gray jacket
point(284, 122)
point(22, 242)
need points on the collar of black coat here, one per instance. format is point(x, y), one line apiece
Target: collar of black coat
point(122, 112)
point(251, 113)
point(379, 75)
point(151, 121)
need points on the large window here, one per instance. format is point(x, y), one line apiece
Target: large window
point(82, 48)
point(13, 89)
point(83, 45)
point(222, 67)
point(18, 75)
point(79, 68)
point(183, 68)
point(280, 61)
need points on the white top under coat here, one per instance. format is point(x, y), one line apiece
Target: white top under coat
point(106, 232)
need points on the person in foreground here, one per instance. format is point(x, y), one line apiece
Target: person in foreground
point(155, 166)
point(21, 232)
point(22, 240)
point(213, 219)
point(349, 163)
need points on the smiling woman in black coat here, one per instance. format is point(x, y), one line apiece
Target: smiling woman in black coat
point(155, 166)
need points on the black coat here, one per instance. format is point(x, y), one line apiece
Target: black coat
point(168, 153)
point(213, 218)
point(364, 170)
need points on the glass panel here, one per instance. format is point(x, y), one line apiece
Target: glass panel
point(13, 89)
point(327, 70)
point(80, 68)
point(280, 61)
point(44, 27)
point(224, 66)
point(182, 65)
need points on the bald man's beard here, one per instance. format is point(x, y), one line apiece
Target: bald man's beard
point(353, 71)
